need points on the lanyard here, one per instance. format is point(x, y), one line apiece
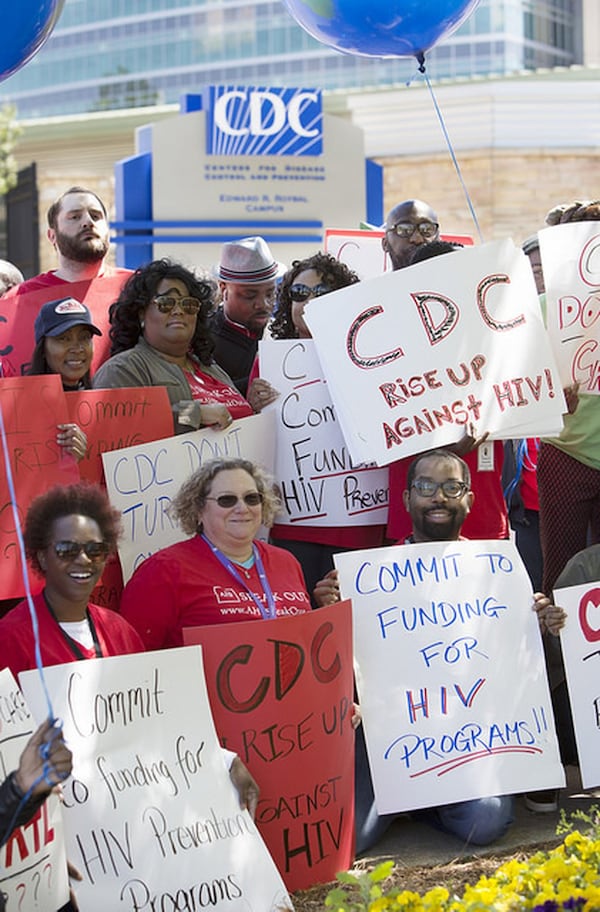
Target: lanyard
point(71, 643)
point(266, 613)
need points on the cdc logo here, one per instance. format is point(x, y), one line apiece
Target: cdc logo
point(263, 121)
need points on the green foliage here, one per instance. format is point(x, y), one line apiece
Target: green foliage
point(10, 131)
point(360, 890)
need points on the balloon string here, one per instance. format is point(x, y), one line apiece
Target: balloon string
point(21, 544)
point(421, 62)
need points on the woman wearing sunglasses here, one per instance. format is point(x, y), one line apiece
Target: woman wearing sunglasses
point(313, 546)
point(69, 533)
point(221, 574)
point(160, 337)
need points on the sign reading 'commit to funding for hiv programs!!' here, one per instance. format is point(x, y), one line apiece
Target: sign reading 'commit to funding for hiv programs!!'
point(452, 709)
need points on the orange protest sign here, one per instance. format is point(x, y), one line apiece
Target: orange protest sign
point(32, 407)
point(281, 697)
point(113, 419)
point(19, 310)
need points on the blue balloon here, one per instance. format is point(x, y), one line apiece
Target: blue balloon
point(26, 24)
point(380, 28)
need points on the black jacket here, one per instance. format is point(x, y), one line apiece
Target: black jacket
point(235, 351)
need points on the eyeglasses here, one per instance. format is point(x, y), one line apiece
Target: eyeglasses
point(407, 229)
point(451, 489)
point(70, 550)
point(166, 304)
point(300, 292)
point(226, 501)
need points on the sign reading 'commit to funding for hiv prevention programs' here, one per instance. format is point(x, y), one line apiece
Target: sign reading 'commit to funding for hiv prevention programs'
point(450, 673)
point(152, 819)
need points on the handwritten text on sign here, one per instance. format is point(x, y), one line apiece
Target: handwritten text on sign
point(281, 694)
point(580, 641)
point(151, 817)
point(571, 263)
point(142, 480)
point(452, 709)
point(33, 863)
point(413, 357)
point(32, 407)
point(319, 483)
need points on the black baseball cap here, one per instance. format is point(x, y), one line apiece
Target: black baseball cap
point(57, 317)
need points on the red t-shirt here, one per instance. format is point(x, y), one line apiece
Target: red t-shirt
point(185, 585)
point(487, 519)
point(17, 643)
point(210, 391)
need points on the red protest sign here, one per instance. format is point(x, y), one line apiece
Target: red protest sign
point(281, 697)
point(19, 310)
point(113, 419)
point(32, 407)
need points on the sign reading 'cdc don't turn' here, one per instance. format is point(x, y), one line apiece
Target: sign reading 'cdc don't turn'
point(263, 121)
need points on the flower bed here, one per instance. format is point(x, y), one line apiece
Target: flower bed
point(566, 877)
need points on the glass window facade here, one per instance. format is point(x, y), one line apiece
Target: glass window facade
point(122, 53)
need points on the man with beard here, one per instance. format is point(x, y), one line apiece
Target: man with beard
point(247, 273)
point(438, 498)
point(79, 232)
point(408, 225)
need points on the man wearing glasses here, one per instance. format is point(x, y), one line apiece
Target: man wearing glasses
point(408, 225)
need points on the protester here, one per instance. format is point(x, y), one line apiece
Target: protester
point(438, 498)
point(313, 546)
point(247, 274)
point(79, 232)
point(408, 225)
point(64, 345)
point(485, 463)
point(69, 533)
point(222, 574)
point(45, 762)
point(160, 337)
point(569, 465)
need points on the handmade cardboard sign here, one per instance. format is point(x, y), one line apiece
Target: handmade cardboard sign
point(414, 357)
point(281, 695)
point(571, 264)
point(580, 641)
point(32, 407)
point(452, 709)
point(152, 819)
point(116, 419)
point(141, 481)
point(319, 483)
point(33, 863)
point(18, 311)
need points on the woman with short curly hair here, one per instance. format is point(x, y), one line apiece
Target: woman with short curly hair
point(222, 573)
point(69, 533)
point(160, 337)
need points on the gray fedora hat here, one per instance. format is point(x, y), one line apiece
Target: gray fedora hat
point(248, 261)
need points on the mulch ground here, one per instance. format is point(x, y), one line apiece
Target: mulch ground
point(454, 876)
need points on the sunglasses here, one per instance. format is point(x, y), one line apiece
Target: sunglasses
point(450, 489)
point(226, 501)
point(407, 229)
point(166, 304)
point(300, 292)
point(70, 550)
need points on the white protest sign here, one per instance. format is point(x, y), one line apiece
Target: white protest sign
point(450, 673)
point(359, 249)
point(141, 481)
point(33, 862)
point(319, 483)
point(414, 356)
point(151, 817)
point(580, 641)
point(571, 264)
